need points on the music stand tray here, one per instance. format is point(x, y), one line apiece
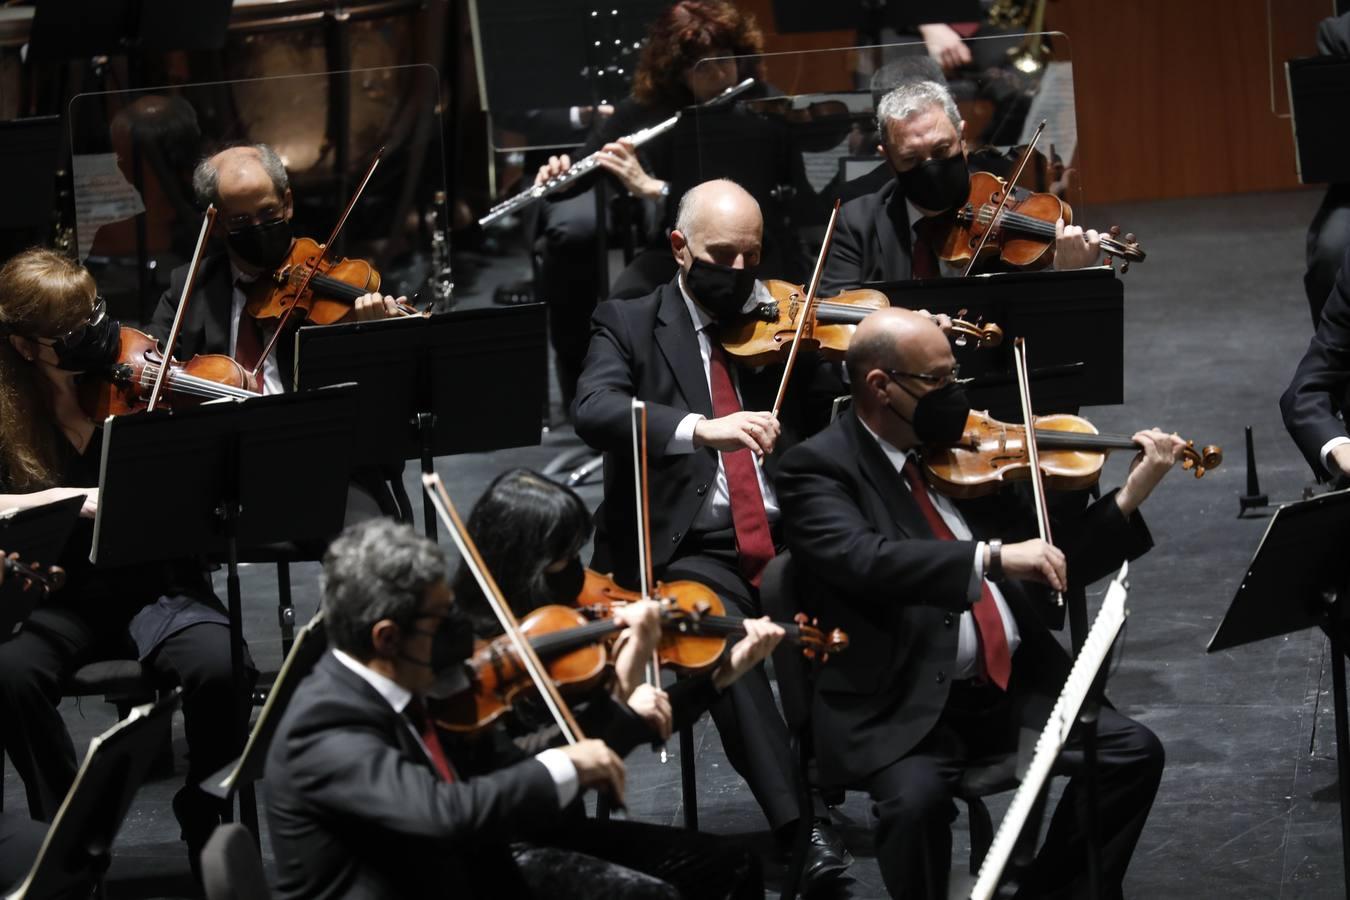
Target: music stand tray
point(1299, 578)
point(309, 645)
point(1070, 317)
point(38, 534)
point(77, 844)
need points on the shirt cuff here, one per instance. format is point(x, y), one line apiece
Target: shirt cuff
point(563, 773)
point(682, 441)
point(976, 575)
point(1325, 455)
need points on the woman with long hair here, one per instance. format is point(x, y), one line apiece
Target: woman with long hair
point(55, 327)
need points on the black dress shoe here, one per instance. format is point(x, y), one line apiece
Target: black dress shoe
point(826, 856)
point(198, 814)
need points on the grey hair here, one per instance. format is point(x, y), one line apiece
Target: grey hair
point(376, 569)
point(912, 98)
point(206, 178)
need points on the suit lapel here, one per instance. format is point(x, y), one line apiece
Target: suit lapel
point(893, 231)
point(218, 297)
point(679, 345)
point(889, 485)
point(377, 705)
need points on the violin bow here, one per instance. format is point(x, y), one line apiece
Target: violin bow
point(1033, 451)
point(324, 249)
point(808, 310)
point(1008, 188)
point(646, 572)
point(189, 283)
point(468, 551)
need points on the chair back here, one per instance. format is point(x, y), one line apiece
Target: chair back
point(231, 868)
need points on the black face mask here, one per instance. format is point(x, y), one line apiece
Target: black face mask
point(451, 643)
point(93, 344)
point(565, 586)
point(721, 290)
point(939, 416)
point(937, 184)
point(263, 245)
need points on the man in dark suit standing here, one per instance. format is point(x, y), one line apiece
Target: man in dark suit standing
point(948, 659)
point(362, 800)
point(713, 511)
point(1315, 401)
point(887, 235)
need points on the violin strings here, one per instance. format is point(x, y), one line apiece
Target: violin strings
point(183, 383)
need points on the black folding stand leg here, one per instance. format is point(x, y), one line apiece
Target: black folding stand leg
point(688, 787)
point(1087, 721)
point(248, 809)
point(1333, 630)
point(426, 423)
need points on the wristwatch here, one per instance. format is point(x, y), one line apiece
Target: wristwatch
point(994, 571)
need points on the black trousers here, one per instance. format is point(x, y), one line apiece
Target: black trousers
point(569, 282)
point(34, 663)
point(913, 796)
point(753, 732)
point(20, 840)
point(592, 860)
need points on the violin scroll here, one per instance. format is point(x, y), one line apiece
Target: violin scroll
point(814, 642)
point(1200, 461)
point(1126, 248)
point(986, 335)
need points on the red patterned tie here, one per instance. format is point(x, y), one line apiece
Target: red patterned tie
point(753, 540)
point(924, 263)
point(417, 713)
point(995, 661)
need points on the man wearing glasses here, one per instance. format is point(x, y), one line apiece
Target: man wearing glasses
point(948, 658)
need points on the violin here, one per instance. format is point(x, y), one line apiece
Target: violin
point(694, 623)
point(323, 291)
point(764, 334)
point(49, 578)
point(568, 643)
point(126, 385)
point(1071, 454)
point(1023, 233)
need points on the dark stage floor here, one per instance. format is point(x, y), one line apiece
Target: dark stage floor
point(1215, 322)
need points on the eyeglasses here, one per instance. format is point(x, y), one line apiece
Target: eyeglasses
point(72, 337)
point(927, 378)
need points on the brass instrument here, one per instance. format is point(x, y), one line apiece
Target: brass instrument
point(1028, 56)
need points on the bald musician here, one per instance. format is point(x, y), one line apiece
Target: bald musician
point(948, 658)
point(714, 515)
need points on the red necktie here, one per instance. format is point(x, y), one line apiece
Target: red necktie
point(417, 713)
point(924, 263)
point(995, 661)
point(965, 29)
point(751, 523)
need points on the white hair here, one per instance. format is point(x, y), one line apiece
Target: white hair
point(912, 98)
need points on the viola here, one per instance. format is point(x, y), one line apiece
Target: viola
point(1023, 230)
point(694, 623)
point(126, 385)
point(764, 334)
point(1071, 454)
point(325, 291)
point(568, 643)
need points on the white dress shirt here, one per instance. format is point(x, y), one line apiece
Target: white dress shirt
point(967, 647)
point(1326, 453)
point(715, 513)
point(560, 768)
point(238, 300)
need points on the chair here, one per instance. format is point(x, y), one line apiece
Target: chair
point(780, 599)
point(231, 867)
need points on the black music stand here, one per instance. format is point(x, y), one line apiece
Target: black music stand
point(29, 150)
point(1319, 92)
point(1299, 578)
point(76, 848)
point(1066, 317)
point(309, 645)
point(37, 534)
point(243, 475)
point(461, 382)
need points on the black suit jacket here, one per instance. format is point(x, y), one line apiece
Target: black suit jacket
point(356, 810)
point(1315, 398)
point(871, 240)
point(873, 568)
point(207, 326)
point(647, 348)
